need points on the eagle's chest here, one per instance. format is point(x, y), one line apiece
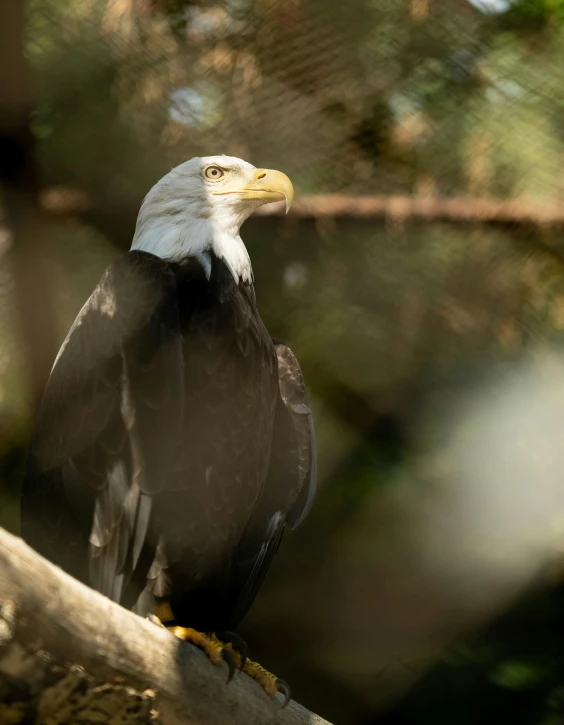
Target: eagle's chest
point(230, 396)
point(230, 382)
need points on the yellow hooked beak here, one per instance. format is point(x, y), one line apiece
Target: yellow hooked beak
point(266, 184)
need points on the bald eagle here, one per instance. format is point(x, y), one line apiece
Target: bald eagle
point(174, 442)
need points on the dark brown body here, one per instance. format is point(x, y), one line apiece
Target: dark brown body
point(173, 443)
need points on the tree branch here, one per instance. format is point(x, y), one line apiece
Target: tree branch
point(121, 664)
point(429, 209)
point(68, 202)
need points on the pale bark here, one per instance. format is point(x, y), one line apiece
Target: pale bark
point(69, 655)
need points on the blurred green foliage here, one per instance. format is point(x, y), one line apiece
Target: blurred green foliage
point(404, 596)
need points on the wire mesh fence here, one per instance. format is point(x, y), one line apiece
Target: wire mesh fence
point(420, 270)
point(364, 97)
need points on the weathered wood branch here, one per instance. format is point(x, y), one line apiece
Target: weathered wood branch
point(66, 651)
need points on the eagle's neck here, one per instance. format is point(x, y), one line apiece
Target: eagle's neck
point(176, 237)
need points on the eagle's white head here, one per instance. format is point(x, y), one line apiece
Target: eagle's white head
point(198, 208)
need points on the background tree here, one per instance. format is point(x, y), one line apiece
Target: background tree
point(431, 348)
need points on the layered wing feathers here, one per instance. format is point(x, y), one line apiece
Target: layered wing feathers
point(107, 428)
point(289, 489)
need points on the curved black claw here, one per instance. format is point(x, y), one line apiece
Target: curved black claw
point(238, 644)
point(284, 689)
point(228, 659)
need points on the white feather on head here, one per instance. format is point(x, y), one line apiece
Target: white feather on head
point(187, 214)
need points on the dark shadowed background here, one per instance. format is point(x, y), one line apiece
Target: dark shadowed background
point(427, 585)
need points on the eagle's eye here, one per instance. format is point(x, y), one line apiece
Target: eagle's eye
point(214, 173)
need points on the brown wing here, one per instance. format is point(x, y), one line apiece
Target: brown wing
point(106, 430)
point(300, 450)
point(289, 490)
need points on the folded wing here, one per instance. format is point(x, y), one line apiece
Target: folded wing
point(106, 431)
point(289, 490)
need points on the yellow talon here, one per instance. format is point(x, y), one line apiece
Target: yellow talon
point(218, 651)
point(207, 642)
point(163, 612)
point(266, 679)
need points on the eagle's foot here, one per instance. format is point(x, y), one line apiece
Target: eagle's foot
point(227, 647)
point(269, 682)
point(216, 650)
point(236, 646)
point(233, 651)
